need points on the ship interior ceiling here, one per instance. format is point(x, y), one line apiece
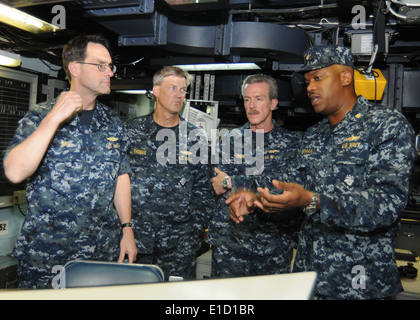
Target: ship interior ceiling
point(149, 34)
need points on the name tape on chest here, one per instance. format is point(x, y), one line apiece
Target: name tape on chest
point(350, 142)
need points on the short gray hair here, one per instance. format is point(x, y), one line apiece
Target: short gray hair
point(259, 78)
point(171, 71)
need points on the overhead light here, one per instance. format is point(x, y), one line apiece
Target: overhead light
point(182, 2)
point(193, 5)
point(24, 21)
point(132, 91)
point(9, 59)
point(219, 66)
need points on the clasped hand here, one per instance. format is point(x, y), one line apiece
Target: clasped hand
point(245, 202)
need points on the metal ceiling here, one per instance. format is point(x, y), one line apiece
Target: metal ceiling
point(148, 34)
point(273, 33)
point(269, 32)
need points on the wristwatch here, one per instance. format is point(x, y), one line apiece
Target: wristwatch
point(225, 182)
point(311, 208)
point(128, 224)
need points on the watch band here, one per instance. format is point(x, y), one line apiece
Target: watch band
point(225, 182)
point(127, 224)
point(312, 207)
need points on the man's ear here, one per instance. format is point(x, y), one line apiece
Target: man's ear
point(274, 103)
point(73, 69)
point(156, 91)
point(346, 78)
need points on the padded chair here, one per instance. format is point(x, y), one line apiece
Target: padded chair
point(81, 273)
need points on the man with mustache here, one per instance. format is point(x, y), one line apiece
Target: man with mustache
point(172, 197)
point(73, 151)
point(354, 169)
point(262, 244)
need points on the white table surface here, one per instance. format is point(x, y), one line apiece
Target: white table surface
point(293, 286)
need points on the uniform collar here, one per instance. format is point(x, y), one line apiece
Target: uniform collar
point(356, 114)
point(151, 126)
point(150, 122)
point(99, 119)
point(275, 125)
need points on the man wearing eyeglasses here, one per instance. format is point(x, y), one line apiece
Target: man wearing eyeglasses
point(71, 150)
point(172, 196)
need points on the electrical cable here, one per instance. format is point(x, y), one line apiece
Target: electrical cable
point(368, 71)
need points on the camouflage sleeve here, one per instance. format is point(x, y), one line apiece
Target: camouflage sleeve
point(27, 125)
point(383, 193)
point(124, 164)
point(225, 153)
point(203, 199)
point(243, 182)
point(231, 160)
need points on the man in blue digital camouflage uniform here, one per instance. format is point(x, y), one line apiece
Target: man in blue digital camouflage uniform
point(172, 196)
point(263, 243)
point(73, 150)
point(355, 167)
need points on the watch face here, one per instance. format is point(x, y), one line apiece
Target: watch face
point(311, 208)
point(225, 182)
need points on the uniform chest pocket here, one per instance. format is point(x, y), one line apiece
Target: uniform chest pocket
point(74, 175)
point(141, 156)
point(66, 175)
point(350, 165)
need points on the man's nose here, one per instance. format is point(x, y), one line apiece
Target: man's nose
point(310, 86)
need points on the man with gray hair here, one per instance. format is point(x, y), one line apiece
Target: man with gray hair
point(355, 166)
point(172, 196)
point(262, 244)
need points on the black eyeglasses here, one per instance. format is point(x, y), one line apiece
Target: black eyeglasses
point(102, 66)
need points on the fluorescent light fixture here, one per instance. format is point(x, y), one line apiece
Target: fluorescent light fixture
point(24, 21)
point(183, 2)
point(196, 5)
point(132, 91)
point(9, 59)
point(219, 66)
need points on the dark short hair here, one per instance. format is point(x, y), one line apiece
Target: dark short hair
point(75, 49)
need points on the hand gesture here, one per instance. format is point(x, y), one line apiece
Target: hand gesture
point(294, 196)
point(67, 105)
point(241, 203)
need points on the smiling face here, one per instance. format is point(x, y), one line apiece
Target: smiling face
point(259, 106)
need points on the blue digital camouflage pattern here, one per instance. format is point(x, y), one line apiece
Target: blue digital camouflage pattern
point(361, 169)
point(263, 243)
point(70, 197)
point(319, 56)
point(322, 56)
point(172, 201)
